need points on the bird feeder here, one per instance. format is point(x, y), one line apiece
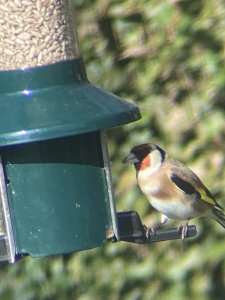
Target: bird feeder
point(55, 183)
point(56, 195)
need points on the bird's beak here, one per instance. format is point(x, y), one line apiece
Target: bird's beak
point(131, 159)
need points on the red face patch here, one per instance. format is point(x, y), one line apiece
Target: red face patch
point(146, 162)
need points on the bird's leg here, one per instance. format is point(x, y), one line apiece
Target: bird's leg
point(184, 230)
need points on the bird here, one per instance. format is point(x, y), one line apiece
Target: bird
point(172, 189)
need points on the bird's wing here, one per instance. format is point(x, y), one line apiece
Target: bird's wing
point(186, 180)
point(182, 184)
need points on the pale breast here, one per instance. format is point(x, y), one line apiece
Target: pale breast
point(174, 209)
point(157, 185)
point(165, 197)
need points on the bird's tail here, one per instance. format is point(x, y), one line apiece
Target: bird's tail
point(218, 216)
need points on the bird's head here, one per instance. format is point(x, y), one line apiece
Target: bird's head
point(146, 156)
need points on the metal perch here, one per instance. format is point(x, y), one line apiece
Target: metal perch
point(132, 230)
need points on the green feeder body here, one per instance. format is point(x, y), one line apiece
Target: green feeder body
point(56, 195)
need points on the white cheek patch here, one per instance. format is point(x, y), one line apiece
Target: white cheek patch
point(145, 173)
point(151, 163)
point(156, 160)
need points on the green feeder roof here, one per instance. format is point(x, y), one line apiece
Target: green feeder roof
point(55, 101)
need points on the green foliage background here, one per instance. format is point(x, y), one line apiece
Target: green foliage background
point(168, 57)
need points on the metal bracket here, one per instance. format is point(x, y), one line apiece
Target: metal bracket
point(109, 183)
point(132, 230)
point(7, 245)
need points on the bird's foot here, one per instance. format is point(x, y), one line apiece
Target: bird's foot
point(150, 230)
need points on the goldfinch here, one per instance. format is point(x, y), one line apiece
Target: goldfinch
point(171, 188)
